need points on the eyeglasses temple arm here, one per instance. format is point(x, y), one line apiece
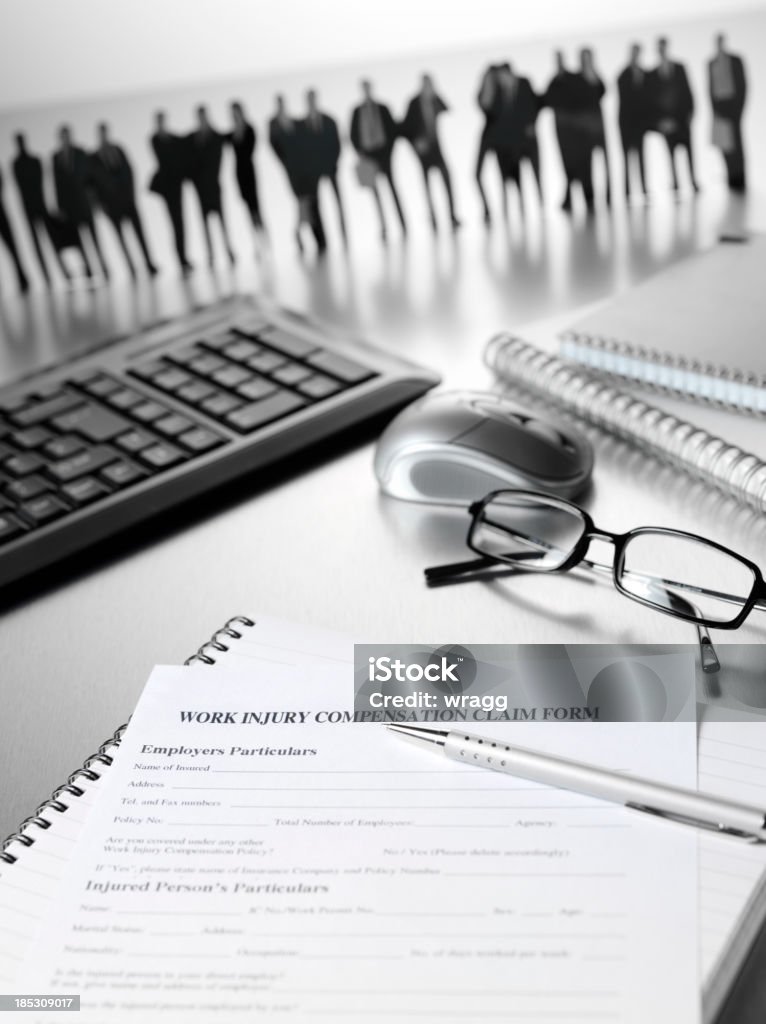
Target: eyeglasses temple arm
point(437, 573)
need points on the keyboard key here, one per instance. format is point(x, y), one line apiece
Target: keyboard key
point(126, 398)
point(172, 425)
point(289, 344)
point(10, 527)
point(265, 362)
point(22, 465)
point(81, 464)
point(292, 373)
point(171, 380)
point(220, 404)
point(231, 376)
point(121, 474)
point(242, 350)
point(340, 367)
point(31, 415)
point(185, 356)
point(43, 509)
point(319, 387)
point(83, 491)
point(161, 455)
point(148, 412)
point(63, 447)
point(200, 440)
point(101, 386)
point(135, 440)
point(196, 392)
point(93, 422)
point(218, 341)
point(148, 371)
point(258, 413)
point(205, 365)
point(33, 437)
point(28, 487)
point(6, 450)
point(251, 327)
point(256, 388)
point(12, 402)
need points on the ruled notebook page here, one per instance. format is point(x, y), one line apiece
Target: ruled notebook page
point(731, 763)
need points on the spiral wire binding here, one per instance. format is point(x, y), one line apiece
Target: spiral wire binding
point(721, 386)
point(727, 467)
point(215, 644)
point(104, 755)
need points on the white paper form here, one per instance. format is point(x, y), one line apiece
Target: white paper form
point(312, 870)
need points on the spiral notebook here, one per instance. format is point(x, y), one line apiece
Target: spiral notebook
point(731, 762)
point(696, 329)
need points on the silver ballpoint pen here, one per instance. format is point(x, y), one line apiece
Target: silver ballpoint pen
point(682, 805)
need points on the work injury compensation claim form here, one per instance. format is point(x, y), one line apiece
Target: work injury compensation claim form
point(254, 852)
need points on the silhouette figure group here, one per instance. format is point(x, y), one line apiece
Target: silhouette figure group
point(657, 99)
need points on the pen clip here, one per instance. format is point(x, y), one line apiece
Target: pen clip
point(709, 826)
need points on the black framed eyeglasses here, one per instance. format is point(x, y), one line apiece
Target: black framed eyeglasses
point(677, 573)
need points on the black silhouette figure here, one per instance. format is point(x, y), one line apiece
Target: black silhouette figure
point(72, 179)
point(6, 234)
point(172, 154)
point(373, 134)
point(420, 127)
point(292, 146)
point(561, 97)
point(512, 130)
point(673, 109)
point(486, 101)
point(323, 140)
point(243, 140)
point(635, 114)
point(727, 86)
point(589, 90)
point(113, 184)
point(205, 152)
point(28, 172)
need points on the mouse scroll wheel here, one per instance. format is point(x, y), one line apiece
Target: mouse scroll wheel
point(545, 431)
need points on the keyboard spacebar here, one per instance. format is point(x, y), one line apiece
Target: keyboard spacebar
point(256, 414)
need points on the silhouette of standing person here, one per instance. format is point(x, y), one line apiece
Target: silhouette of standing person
point(172, 155)
point(291, 143)
point(486, 101)
point(373, 134)
point(727, 86)
point(512, 132)
point(243, 141)
point(9, 239)
point(591, 122)
point(560, 97)
point(421, 128)
point(323, 140)
point(28, 172)
point(673, 109)
point(205, 152)
point(72, 179)
point(634, 116)
point(114, 187)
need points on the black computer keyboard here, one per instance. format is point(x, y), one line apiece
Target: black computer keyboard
point(145, 424)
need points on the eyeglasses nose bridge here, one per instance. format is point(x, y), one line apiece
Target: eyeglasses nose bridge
point(601, 535)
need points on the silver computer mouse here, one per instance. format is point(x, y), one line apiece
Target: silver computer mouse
point(454, 447)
